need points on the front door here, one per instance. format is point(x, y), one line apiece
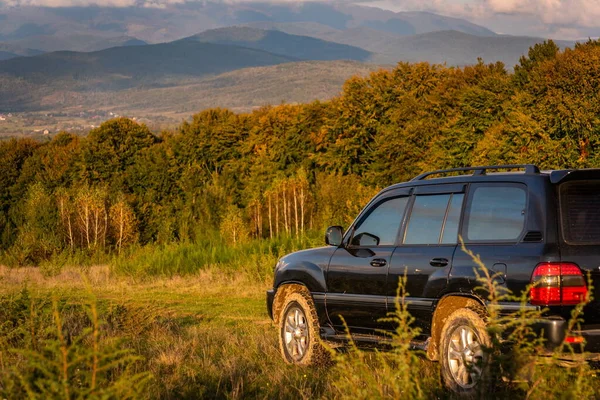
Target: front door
point(357, 271)
point(426, 250)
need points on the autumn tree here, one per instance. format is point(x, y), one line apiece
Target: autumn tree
point(233, 226)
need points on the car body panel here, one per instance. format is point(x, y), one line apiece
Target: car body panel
point(343, 281)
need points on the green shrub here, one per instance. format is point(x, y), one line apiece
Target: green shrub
point(60, 350)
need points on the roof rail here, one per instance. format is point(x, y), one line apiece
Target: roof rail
point(529, 169)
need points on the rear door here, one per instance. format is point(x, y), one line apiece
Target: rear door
point(426, 250)
point(579, 201)
point(358, 270)
point(495, 227)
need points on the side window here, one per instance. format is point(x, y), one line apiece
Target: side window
point(496, 213)
point(380, 227)
point(427, 219)
point(450, 235)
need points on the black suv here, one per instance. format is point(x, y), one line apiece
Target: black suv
point(527, 226)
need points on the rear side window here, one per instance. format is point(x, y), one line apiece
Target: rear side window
point(450, 235)
point(427, 219)
point(434, 219)
point(580, 211)
point(496, 213)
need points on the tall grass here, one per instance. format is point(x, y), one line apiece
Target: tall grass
point(256, 258)
point(199, 329)
point(400, 373)
point(53, 349)
point(196, 345)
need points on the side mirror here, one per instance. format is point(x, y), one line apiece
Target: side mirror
point(365, 239)
point(334, 235)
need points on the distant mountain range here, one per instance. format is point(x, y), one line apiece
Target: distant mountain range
point(125, 67)
point(87, 28)
point(106, 59)
point(273, 41)
point(8, 51)
point(446, 46)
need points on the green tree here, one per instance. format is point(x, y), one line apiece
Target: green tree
point(110, 149)
point(13, 155)
point(37, 237)
point(537, 54)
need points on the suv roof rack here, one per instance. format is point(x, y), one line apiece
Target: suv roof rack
point(529, 169)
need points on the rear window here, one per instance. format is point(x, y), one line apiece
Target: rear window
point(580, 211)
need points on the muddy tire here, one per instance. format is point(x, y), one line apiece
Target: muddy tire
point(299, 339)
point(463, 358)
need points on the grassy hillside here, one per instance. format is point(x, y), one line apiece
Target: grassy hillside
point(241, 90)
point(302, 47)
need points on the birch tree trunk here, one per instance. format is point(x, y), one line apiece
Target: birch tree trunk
point(285, 210)
point(270, 220)
point(295, 207)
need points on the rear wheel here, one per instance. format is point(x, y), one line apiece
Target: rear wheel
point(299, 340)
point(463, 356)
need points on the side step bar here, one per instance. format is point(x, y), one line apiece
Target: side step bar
point(373, 341)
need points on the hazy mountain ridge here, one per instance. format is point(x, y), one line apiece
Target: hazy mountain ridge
point(457, 48)
point(75, 42)
point(112, 65)
point(77, 28)
point(67, 78)
point(301, 47)
point(8, 51)
point(444, 47)
point(123, 67)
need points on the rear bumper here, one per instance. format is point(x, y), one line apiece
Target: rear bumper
point(270, 298)
point(592, 340)
point(553, 330)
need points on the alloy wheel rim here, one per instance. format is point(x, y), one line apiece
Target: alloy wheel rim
point(465, 357)
point(295, 333)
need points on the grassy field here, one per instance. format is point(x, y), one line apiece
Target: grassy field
point(206, 336)
point(95, 332)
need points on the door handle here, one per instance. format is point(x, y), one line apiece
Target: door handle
point(378, 262)
point(438, 262)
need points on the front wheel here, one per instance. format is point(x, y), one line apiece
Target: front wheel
point(463, 353)
point(299, 340)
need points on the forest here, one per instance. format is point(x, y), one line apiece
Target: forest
point(285, 170)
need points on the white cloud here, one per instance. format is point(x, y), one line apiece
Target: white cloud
point(83, 3)
point(584, 13)
point(573, 19)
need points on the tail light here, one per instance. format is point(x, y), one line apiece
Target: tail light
point(557, 284)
